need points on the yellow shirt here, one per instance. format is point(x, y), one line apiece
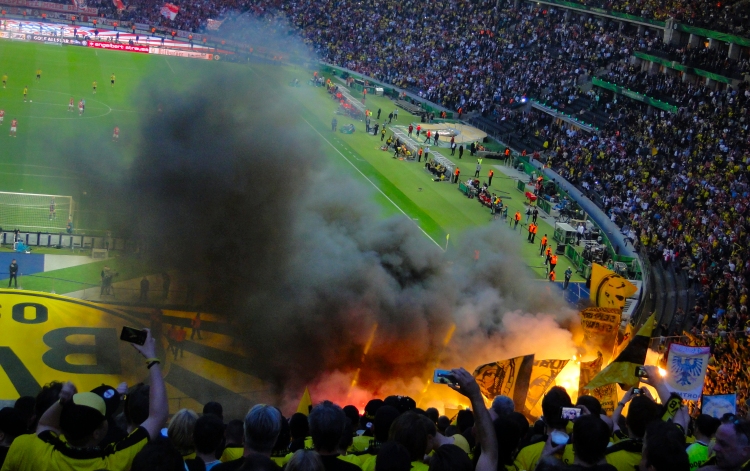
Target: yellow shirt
point(360, 443)
point(528, 457)
point(353, 459)
point(461, 442)
point(232, 453)
point(625, 455)
point(48, 452)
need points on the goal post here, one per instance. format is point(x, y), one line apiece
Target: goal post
point(33, 212)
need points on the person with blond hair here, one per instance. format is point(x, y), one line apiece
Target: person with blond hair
point(305, 460)
point(180, 432)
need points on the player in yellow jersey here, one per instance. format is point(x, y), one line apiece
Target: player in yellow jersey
point(112, 79)
point(25, 92)
point(38, 74)
point(94, 85)
point(5, 79)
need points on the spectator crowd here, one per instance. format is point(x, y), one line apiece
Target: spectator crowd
point(122, 429)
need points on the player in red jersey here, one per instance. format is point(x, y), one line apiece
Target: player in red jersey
point(13, 126)
point(80, 108)
point(2, 117)
point(71, 105)
point(116, 134)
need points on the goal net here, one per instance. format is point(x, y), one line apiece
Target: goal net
point(35, 213)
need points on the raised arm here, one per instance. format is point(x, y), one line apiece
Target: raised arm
point(158, 407)
point(50, 420)
point(467, 385)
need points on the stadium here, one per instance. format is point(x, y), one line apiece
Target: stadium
point(344, 235)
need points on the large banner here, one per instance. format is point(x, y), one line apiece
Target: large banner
point(607, 394)
point(46, 337)
point(543, 375)
point(686, 370)
point(506, 377)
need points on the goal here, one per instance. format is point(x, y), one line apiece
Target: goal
point(34, 212)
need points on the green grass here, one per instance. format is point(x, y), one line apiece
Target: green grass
point(40, 159)
point(77, 278)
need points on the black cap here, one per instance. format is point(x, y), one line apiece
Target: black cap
point(111, 398)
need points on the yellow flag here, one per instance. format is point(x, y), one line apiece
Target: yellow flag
point(622, 369)
point(608, 289)
point(305, 403)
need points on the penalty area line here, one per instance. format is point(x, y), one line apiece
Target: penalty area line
point(372, 183)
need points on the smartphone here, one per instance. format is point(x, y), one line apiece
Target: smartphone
point(133, 335)
point(570, 413)
point(637, 392)
point(443, 377)
point(640, 371)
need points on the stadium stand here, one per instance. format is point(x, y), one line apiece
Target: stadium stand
point(675, 181)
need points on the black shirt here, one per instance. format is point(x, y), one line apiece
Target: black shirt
point(333, 463)
point(13, 268)
point(234, 465)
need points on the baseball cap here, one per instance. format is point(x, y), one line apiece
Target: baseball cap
point(111, 398)
point(12, 422)
point(81, 415)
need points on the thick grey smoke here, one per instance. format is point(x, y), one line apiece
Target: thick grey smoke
point(229, 187)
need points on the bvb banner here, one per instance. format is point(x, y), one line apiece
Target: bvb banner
point(686, 367)
point(46, 337)
point(607, 394)
point(507, 378)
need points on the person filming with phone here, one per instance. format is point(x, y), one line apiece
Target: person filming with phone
point(70, 431)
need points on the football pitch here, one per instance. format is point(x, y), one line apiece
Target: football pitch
point(42, 158)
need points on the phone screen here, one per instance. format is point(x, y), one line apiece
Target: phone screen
point(641, 372)
point(133, 335)
point(570, 413)
point(443, 377)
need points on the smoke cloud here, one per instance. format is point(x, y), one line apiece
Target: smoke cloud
point(230, 189)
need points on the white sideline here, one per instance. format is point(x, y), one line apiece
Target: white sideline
point(371, 182)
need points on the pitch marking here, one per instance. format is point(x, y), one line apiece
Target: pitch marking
point(371, 182)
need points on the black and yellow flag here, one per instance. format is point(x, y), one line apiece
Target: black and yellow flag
point(607, 394)
point(543, 375)
point(622, 369)
point(506, 377)
point(608, 289)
